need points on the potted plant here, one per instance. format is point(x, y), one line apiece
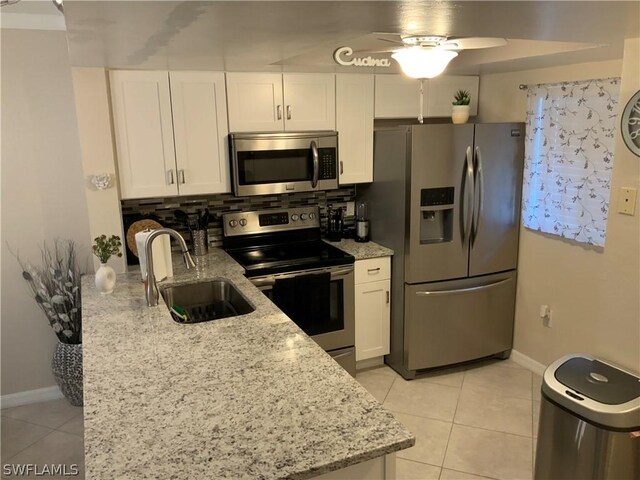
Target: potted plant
point(56, 288)
point(104, 248)
point(460, 113)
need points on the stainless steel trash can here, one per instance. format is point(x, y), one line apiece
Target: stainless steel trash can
point(589, 421)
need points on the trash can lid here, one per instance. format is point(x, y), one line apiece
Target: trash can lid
point(595, 390)
point(599, 381)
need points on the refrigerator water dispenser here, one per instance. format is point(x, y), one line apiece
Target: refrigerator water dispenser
point(436, 215)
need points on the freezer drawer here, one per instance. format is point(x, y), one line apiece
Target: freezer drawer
point(460, 320)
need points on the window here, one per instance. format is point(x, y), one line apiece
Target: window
point(569, 158)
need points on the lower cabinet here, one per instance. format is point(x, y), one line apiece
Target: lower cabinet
point(372, 307)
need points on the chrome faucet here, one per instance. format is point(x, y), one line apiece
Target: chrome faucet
point(151, 288)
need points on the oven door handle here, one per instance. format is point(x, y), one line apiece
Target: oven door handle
point(316, 163)
point(262, 282)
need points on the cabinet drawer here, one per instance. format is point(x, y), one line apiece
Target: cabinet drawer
point(372, 270)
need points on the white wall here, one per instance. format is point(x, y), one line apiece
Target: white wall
point(594, 294)
point(42, 191)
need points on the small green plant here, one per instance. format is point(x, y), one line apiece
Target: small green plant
point(462, 97)
point(104, 247)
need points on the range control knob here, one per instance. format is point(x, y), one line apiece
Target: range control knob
point(243, 222)
point(294, 217)
point(312, 216)
point(303, 216)
point(233, 223)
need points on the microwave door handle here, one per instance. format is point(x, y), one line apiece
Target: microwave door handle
point(316, 164)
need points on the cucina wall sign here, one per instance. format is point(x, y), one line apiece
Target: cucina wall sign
point(342, 54)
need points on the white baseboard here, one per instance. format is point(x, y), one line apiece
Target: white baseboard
point(30, 396)
point(527, 362)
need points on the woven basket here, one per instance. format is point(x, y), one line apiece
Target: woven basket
point(67, 370)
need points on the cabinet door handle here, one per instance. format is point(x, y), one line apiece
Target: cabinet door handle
point(388, 297)
point(170, 179)
point(279, 111)
point(181, 176)
point(288, 112)
point(341, 167)
point(372, 270)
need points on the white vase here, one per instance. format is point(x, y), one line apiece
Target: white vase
point(105, 279)
point(460, 114)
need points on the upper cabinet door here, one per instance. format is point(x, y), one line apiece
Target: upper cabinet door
point(141, 106)
point(255, 102)
point(441, 92)
point(398, 96)
point(310, 101)
point(354, 122)
point(200, 129)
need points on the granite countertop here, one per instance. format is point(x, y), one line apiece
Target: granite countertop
point(363, 250)
point(245, 397)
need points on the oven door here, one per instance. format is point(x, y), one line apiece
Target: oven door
point(337, 329)
point(265, 164)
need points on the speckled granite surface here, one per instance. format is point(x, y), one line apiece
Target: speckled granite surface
point(244, 397)
point(361, 251)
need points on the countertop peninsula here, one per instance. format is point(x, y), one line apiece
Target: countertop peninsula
point(244, 397)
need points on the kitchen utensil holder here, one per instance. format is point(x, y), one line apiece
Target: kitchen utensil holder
point(200, 242)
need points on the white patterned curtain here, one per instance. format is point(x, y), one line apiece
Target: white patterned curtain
point(569, 158)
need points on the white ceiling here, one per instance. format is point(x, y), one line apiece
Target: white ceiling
point(302, 35)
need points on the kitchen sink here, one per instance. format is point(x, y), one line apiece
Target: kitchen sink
point(204, 301)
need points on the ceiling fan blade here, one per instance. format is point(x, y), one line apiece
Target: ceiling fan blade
point(397, 42)
point(470, 43)
point(376, 50)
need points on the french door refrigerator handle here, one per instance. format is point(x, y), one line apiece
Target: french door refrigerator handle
point(316, 162)
point(477, 212)
point(461, 290)
point(468, 196)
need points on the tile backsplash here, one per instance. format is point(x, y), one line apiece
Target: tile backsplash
point(161, 209)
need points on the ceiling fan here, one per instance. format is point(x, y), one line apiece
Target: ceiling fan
point(426, 56)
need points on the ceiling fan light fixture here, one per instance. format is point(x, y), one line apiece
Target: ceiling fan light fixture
point(420, 62)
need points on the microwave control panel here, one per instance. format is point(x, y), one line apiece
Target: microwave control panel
point(328, 164)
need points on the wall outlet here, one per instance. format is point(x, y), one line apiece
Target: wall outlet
point(545, 315)
point(351, 209)
point(627, 201)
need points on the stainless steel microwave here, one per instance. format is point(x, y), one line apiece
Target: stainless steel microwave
point(268, 163)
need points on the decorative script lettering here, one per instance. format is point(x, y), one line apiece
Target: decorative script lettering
point(340, 57)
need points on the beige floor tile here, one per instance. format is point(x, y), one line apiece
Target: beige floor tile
point(453, 475)
point(74, 426)
point(56, 448)
point(536, 417)
point(491, 454)
point(409, 470)
point(377, 383)
point(495, 362)
point(18, 435)
point(535, 388)
point(451, 377)
point(485, 408)
point(513, 382)
point(423, 398)
point(432, 437)
point(48, 414)
point(381, 369)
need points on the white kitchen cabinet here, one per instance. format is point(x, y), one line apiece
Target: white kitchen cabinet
point(441, 92)
point(354, 122)
point(141, 105)
point(398, 96)
point(171, 133)
point(372, 307)
point(200, 129)
point(255, 102)
point(266, 102)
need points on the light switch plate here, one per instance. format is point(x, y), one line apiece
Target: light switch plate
point(351, 209)
point(627, 201)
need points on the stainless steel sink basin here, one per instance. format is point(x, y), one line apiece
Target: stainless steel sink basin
point(204, 301)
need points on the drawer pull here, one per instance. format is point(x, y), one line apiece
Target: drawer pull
point(373, 270)
point(461, 290)
point(388, 297)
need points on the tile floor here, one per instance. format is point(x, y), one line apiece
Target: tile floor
point(475, 422)
point(470, 423)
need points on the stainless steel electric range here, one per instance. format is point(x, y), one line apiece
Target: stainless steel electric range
point(309, 280)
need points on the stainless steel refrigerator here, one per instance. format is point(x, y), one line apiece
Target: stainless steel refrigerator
point(446, 198)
